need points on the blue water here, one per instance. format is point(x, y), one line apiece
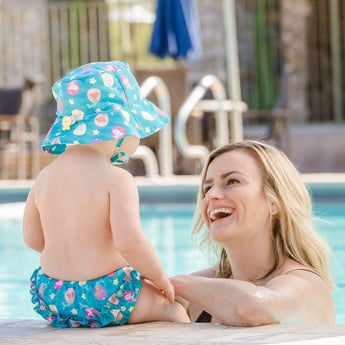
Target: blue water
point(168, 227)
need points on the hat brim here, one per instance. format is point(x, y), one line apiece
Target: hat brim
point(105, 126)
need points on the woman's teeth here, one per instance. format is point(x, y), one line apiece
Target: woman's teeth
point(220, 213)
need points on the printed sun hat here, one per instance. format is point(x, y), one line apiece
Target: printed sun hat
point(97, 102)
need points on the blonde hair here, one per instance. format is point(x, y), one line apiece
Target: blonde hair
point(293, 234)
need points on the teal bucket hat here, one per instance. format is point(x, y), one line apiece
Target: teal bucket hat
point(97, 102)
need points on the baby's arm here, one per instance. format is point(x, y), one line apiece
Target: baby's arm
point(132, 243)
point(32, 228)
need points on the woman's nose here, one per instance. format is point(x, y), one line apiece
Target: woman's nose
point(214, 193)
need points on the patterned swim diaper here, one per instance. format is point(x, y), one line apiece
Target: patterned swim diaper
point(100, 302)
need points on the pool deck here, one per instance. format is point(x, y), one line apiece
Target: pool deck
point(30, 332)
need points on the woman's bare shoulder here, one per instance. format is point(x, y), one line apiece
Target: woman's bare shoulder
point(210, 272)
point(296, 279)
point(302, 290)
point(295, 268)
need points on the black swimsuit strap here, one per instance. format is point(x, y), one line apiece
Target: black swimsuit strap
point(204, 317)
point(304, 269)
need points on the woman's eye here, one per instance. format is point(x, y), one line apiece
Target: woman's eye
point(232, 181)
point(206, 189)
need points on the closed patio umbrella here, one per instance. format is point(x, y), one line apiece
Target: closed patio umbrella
point(176, 30)
point(176, 34)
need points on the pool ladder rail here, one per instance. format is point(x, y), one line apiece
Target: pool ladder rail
point(219, 105)
point(157, 85)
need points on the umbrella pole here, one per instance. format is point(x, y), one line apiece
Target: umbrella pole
point(232, 66)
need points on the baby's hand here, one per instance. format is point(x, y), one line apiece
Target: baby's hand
point(166, 288)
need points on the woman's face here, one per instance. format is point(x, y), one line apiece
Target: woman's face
point(235, 206)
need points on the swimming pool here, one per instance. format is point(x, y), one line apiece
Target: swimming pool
point(168, 226)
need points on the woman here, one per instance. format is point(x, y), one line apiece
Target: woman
point(255, 212)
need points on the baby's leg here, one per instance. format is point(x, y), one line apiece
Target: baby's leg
point(152, 306)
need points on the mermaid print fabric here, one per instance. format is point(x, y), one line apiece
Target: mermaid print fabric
point(108, 300)
point(100, 101)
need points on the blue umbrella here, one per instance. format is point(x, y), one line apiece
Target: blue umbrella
point(176, 30)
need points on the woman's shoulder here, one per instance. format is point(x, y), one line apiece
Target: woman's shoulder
point(293, 267)
point(210, 272)
point(304, 288)
point(295, 274)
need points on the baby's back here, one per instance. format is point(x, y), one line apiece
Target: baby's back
point(72, 195)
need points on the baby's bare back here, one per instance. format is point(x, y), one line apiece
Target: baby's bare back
point(72, 196)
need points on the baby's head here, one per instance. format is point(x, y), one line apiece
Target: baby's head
point(97, 102)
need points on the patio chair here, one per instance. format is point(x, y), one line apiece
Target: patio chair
point(277, 120)
point(274, 124)
point(19, 127)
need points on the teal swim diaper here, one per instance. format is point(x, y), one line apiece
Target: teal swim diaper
point(100, 302)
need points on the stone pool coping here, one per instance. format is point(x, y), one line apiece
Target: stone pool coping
point(29, 332)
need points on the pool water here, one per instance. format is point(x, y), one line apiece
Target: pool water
point(168, 227)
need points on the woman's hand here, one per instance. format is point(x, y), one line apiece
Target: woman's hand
point(166, 288)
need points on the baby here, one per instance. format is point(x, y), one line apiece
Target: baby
point(97, 268)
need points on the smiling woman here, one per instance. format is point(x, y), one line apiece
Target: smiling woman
point(255, 212)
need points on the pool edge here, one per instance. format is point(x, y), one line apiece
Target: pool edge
point(30, 332)
point(328, 187)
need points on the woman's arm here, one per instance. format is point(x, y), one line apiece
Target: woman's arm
point(193, 309)
point(32, 228)
point(297, 297)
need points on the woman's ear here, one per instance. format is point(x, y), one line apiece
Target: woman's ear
point(273, 208)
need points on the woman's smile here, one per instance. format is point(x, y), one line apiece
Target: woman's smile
point(219, 213)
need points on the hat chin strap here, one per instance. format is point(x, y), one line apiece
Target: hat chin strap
point(120, 157)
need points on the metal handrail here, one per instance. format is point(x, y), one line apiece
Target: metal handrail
point(219, 104)
point(149, 159)
point(157, 85)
